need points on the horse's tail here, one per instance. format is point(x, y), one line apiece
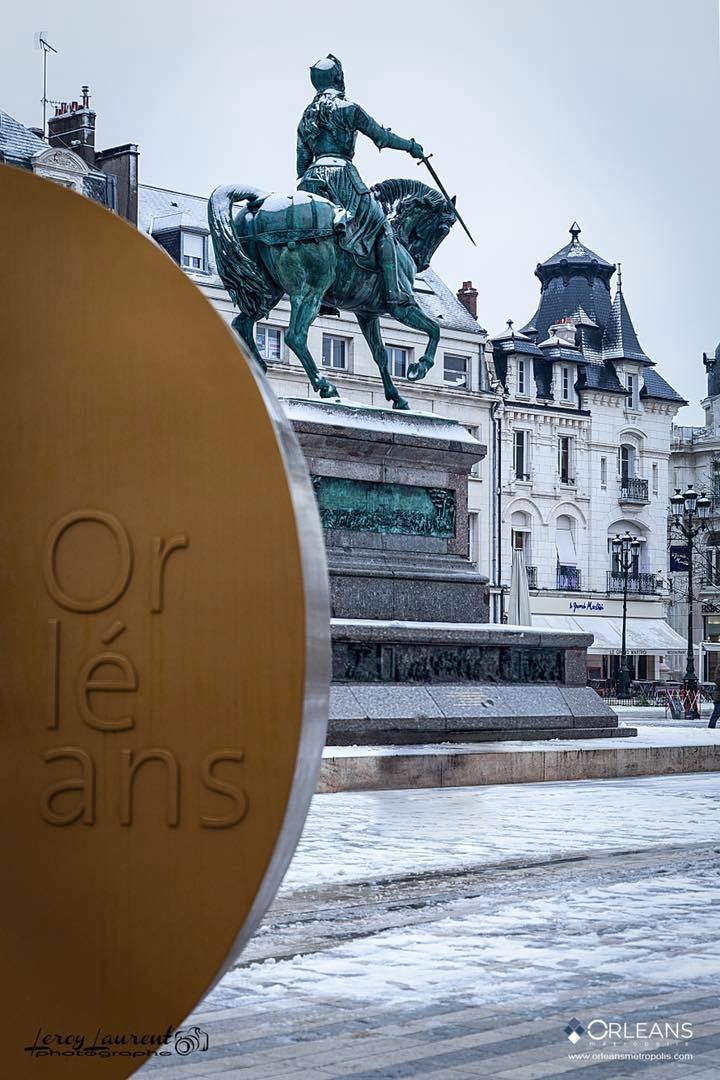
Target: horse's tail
point(244, 279)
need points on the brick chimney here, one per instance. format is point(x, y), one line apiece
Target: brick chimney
point(73, 127)
point(467, 296)
point(122, 162)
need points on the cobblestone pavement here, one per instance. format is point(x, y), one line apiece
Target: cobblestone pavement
point(476, 974)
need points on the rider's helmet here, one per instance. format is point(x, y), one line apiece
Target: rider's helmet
point(327, 74)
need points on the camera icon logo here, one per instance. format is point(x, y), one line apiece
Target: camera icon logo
point(190, 1040)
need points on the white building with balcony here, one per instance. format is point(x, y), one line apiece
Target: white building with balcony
point(584, 444)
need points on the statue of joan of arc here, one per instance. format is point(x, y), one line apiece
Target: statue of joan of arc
point(326, 140)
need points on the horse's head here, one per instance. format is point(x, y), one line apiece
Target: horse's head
point(420, 216)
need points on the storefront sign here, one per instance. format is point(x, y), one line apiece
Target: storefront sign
point(585, 605)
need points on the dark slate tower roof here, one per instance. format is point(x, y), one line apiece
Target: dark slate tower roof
point(620, 342)
point(574, 277)
point(575, 288)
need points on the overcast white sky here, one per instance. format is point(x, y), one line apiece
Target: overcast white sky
point(537, 112)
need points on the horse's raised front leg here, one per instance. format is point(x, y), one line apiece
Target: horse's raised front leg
point(370, 326)
point(412, 315)
point(244, 327)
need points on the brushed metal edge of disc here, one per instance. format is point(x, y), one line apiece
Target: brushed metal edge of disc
point(316, 702)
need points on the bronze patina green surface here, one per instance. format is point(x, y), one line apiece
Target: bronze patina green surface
point(370, 506)
point(334, 243)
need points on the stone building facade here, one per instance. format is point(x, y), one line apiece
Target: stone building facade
point(584, 448)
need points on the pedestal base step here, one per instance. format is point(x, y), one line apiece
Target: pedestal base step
point(652, 753)
point(378, 714)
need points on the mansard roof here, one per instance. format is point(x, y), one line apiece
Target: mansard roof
point(601, 376)
point(575, 287)
point(656, 387)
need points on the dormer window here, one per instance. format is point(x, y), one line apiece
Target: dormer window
point(521, 376)
point(194, 251)
point(633, 389)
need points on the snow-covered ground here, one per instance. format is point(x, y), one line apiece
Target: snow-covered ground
point(649, 920)
point(418, 929)
point(363, 836)
point(527, 939)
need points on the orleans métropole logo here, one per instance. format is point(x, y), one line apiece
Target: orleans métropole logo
point(598, 1029)
point(574, 1030)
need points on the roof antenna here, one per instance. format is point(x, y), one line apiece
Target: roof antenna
point(41, 42)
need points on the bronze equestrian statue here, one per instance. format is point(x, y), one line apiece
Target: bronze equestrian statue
point(334, 243)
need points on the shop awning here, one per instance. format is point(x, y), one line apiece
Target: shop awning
point(650, 637)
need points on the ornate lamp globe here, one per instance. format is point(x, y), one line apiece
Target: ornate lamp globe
point(703, 507)
point(635, 545)
point(626, 542)
point(690, 497)
point(617, 544)
point(677, 504)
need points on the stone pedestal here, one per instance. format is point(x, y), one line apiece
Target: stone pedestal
point(414, 659)
point(392, 491)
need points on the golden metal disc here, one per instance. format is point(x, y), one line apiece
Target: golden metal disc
point(164, 640)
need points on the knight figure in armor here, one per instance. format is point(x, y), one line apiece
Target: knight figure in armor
point(325, 147)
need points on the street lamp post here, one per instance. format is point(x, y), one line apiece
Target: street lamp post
point(625, 549)
point(688, 515)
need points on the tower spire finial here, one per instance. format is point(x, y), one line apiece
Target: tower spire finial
point(510, 327)
point(619, 277)
point(575, 231)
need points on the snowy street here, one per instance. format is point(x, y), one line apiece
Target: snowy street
point(454, 933)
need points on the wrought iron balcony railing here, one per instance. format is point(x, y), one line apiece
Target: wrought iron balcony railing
point(568, 578)
point(532, 576)
point(634, 489)
point(642, 583)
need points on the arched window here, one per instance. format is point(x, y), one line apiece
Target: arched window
point(522, 533)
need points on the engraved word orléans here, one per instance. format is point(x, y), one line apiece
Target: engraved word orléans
point(110, 671)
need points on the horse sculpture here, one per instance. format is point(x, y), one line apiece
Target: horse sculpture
point(268, 244)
